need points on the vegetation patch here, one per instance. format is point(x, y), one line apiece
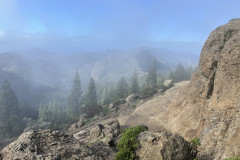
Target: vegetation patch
point(195, 141)
point(148, 92)
point(106, 111)
point(233, 158)
point(89, 120)
point(133, 106)
point(128, 143)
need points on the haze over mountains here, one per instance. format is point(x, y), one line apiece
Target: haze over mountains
point(49, 69)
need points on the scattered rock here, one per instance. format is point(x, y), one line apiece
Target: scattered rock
point(33, 125)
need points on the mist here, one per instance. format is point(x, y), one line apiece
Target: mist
point(56, 55)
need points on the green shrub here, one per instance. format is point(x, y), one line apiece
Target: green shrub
point(128, 143)
point(148, 92)
point(233, 158)
point(119, 102)
point(89, 120)
point(133, 106)
point(106, 111)
point(195, 141)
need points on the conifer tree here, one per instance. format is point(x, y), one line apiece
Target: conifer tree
point(110, 96)
point(152, 75)
point(43, 113)
point(74, 99)
point(91, 107)
point(11, 123)
point(52, 112)
point(134, 84)
point(179, 74)
point(122, 88)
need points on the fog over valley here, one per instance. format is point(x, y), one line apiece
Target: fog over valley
point(79, 79)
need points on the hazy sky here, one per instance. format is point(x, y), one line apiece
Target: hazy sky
point(78, 25)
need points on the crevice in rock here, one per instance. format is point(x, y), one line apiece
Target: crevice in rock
point(111, 143)
point(210, 83)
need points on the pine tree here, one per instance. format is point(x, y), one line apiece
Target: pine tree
point(11, 123)
point(74, 99)
point(122, 88)
point(179, 74)
point(134, 84)
point(152, 75)
point(43, 113)
point(111, 96)
point(53, 112)
point(91, 107)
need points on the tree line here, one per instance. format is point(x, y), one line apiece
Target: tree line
point(78, 104)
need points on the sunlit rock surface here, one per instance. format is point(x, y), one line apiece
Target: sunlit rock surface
point(209, 106)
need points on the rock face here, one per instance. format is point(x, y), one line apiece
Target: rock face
point(47, 144)
point(163, 146)
point(209, 106)
point(149, 113)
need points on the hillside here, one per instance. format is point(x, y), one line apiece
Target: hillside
point(207, 107)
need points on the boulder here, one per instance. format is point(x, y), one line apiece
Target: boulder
point(163, 146)
point(131, 98)
point(75, 126)
point(111, 106)
point(167, 83)
point(106, 131)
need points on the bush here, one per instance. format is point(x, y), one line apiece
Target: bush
point(106, 111)
point(89, 120)
point(148, 92)
point(195, 141)
point(119, 102)
point(233, 158)
point(128, 143)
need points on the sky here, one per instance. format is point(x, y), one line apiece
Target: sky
point(94, 25)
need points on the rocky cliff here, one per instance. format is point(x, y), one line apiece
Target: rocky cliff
point(208, 107)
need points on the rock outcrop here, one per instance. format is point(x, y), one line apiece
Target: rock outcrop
point(106, 131)
point(131, 98)
point(164, 146)
point(209, 106)
point(47, 144)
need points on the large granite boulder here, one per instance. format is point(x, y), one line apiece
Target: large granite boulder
point(164, 146)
